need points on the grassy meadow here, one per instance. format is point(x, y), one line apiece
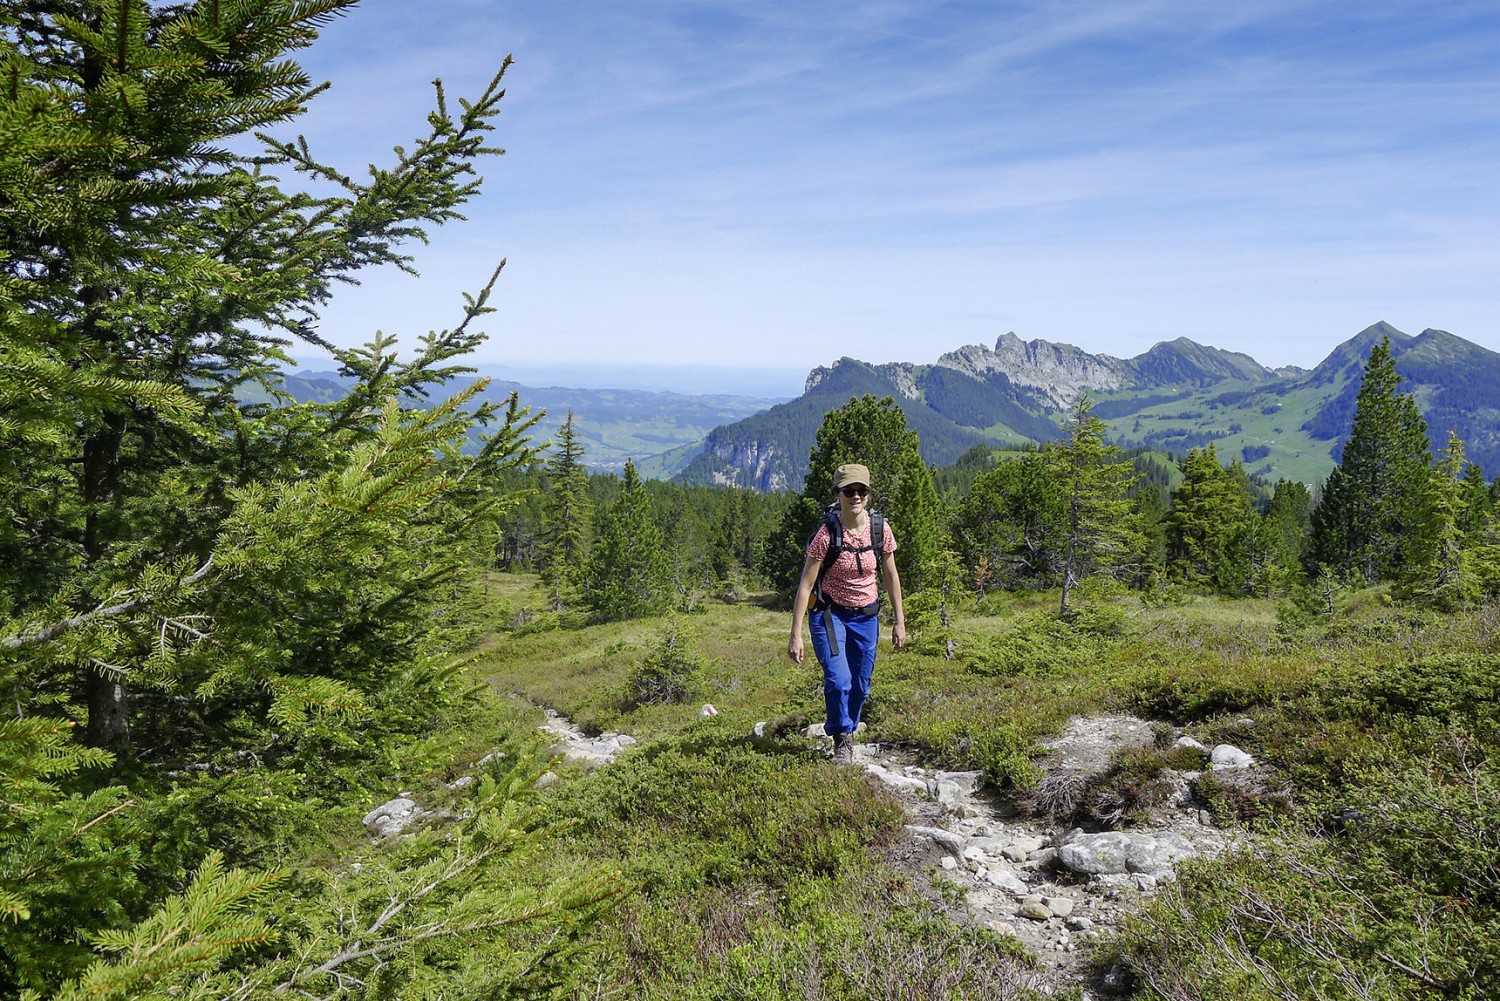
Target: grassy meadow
point(753, 868)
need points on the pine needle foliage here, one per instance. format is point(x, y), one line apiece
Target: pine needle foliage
point(218, 617)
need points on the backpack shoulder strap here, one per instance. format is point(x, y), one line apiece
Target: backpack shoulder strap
point(877, 536)
point(835, 535)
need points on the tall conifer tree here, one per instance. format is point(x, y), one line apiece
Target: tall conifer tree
point(1211, 526)
point(874, 433)
point(277, 587)
point(628, 575)
point(569, 516)
point(1438, 570)
point(1370, 502)
point(1099, 533)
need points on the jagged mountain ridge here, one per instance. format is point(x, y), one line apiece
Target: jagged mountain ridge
point(1178, 395)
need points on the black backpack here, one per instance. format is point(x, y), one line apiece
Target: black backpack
point(835, 548)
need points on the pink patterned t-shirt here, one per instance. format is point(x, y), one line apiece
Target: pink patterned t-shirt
point(851, 579)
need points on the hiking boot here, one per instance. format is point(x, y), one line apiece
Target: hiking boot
point(843, 749)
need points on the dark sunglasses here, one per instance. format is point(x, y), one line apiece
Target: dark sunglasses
point(855, 491)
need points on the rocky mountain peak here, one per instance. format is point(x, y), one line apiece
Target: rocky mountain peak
point(1055, 372)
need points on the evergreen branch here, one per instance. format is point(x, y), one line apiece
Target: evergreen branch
point(138, 599)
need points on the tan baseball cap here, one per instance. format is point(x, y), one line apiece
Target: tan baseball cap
point(848, 473)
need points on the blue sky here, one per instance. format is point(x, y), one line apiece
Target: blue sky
point(781, 184)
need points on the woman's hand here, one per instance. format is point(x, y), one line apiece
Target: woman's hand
point(794, 647)
point(898, 635)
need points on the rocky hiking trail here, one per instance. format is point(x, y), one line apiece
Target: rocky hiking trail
point(1054, 889)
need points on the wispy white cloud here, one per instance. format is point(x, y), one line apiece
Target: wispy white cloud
point(831, 178)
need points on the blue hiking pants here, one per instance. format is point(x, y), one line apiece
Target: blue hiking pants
point(846, 674)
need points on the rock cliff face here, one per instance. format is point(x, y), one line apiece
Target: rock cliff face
point(1056, 373)
point(746, 463)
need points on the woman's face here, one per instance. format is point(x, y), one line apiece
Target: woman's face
point(854, 498)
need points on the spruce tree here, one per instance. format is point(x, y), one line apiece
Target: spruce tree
point(628, 575)
point(263, 597)
point(1211, 525)
point(568, 517)
point(1099, 535)
point(1283, 538)
point(1439, 570)
point(167, 273)
point(1009, 528)
point(1363, 522)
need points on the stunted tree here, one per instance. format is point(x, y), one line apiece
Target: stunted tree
point(248, 604)
point(1009, 528)
point(1439, 568)
point(1374, 496)
point(1099, 535)
point(1283, 538)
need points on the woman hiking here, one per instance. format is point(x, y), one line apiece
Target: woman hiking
point(844, 599)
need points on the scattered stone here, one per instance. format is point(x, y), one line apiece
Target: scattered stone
point(897, 781)
point(1020, 848)
point(394, 816)
point(949, 863)
point(1033, 909)
point(547, 779)
point(1227, 756)
point(1003, 928)
point(760, 729)
point(1206, 818)
point(1060, 906)
point(1190, 744)
point(1124, 851)
point(575, 745)
point(1080, 923)
point(462, 782)
point(1042, 858)
point(1007, 881)
point(949, 842)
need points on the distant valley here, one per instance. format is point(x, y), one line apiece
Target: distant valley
point(614, 424)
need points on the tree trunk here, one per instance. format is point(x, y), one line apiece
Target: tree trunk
point(109, 720)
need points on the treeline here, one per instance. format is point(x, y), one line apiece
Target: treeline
point(620, 546)
point(1081, 511)
point(1390, 513)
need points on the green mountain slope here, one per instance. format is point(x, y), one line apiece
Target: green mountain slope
point(1177, 396)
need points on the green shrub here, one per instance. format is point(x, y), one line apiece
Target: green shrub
point(685, 813)
point(1038, 644)
point(1398, 897)
point(669, 674)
